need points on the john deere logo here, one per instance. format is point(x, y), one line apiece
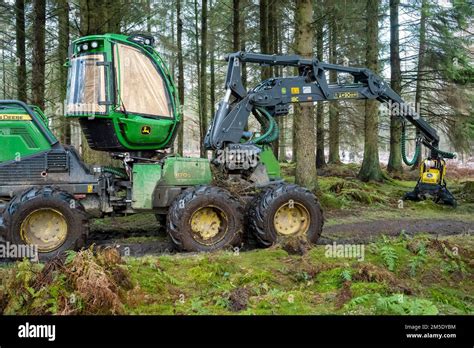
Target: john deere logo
point(146, 130)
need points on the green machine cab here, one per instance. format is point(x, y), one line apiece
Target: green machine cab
point(122, 93)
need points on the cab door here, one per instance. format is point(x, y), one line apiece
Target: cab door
point(142, 96)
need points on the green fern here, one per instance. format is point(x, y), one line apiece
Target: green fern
point(346, 275)
point(390, 303)
point(398, 304)
point(356, 301)
point(413, 266)
point(417, 260)
point(166, 277)
point(70, 255)
point(451, 266)
point(403, 236)
point(389, 256)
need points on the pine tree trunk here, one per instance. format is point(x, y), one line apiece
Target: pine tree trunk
point(212, 79)
point(203, 78)
point(281, 120)
point(92, 17)
point(294, 134)
point(180, 75)
point(421, 67)
point(239, 32)
point(148, 14)
point(63, 44)
point(197, 57)
point(4, 76)
point(421, 51)
point(171, 60)
point(272, 25)
point(394, 162)
point(320, 159)
point(38, 71)
point(236, 25)
point(20, 50)
point(334, 157)
point(272, 49)
point(370, 169)
point(305, 135)
point(243, 34)
point(212, 67)
point(113, 12)
point(92, 14)
point(265, 71)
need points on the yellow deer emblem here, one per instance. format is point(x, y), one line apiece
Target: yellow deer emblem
point(146, 130)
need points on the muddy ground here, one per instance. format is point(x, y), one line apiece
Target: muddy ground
point(153, 240)
point(365, 232)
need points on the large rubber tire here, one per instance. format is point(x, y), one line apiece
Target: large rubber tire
point(36, 198)
point(263, 208)
point(190, 202)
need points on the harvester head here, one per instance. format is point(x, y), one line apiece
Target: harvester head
point(431, 183)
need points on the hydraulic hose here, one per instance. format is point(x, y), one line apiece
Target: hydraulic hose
point(272, 131)
point(444, 154)
point(403, 148)
point(116, 171)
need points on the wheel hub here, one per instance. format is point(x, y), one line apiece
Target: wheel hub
point(206, 222)
point(46, 228)
point(291, 218)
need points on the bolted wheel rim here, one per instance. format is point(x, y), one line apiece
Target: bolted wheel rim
point(291, 218)
point(46, 228)
point(208, 225)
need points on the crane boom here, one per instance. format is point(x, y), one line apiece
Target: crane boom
point(310, 85)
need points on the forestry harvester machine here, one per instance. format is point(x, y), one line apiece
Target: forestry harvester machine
point(123, 96)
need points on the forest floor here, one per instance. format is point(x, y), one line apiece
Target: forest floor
point(354, 212)
point(392, 275)
point(410, 258)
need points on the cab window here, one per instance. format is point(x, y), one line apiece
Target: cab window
point(141, 87)
point(86, 85)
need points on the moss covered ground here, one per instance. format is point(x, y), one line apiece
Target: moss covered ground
point(400, 274)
